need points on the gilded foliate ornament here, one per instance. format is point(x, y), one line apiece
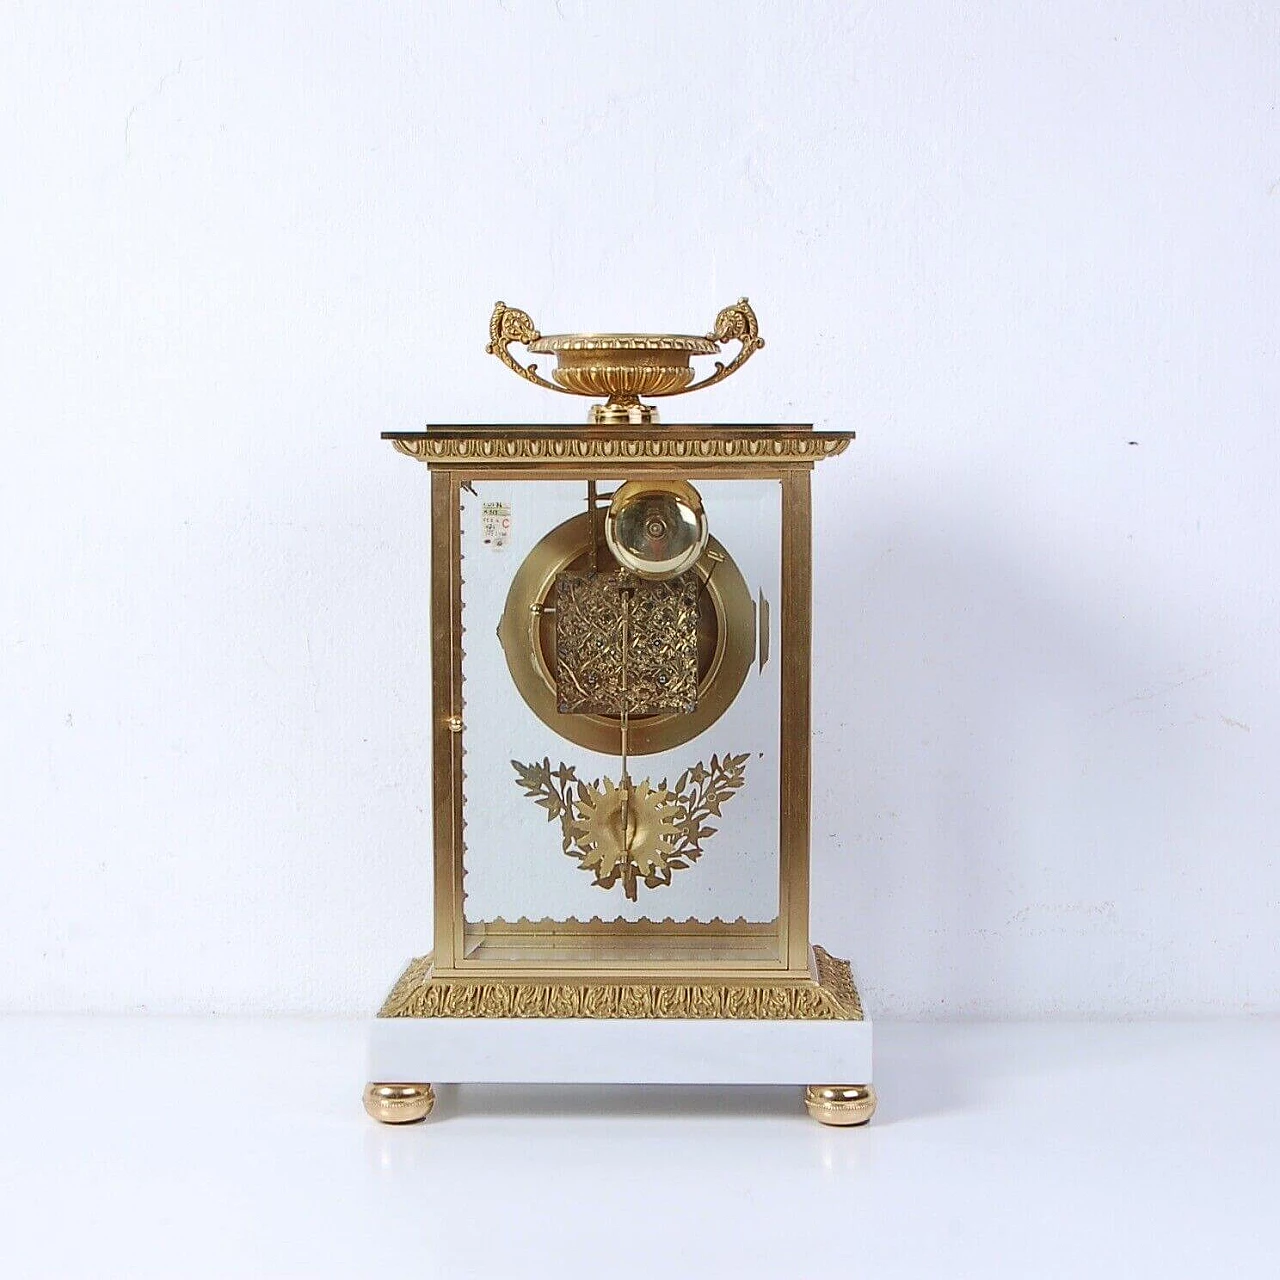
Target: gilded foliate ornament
point(629, 832)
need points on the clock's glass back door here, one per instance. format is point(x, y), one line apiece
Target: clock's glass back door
point(621, 732)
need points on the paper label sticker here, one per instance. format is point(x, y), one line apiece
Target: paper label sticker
point(495, 524)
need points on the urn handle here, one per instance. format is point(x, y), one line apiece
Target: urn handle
point(508, 325)
point(734, 324)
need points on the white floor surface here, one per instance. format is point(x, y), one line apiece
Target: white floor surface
point(147, 1147)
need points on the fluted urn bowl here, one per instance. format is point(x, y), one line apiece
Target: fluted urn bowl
point(624, 366)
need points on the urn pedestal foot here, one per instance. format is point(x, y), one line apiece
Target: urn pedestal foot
point(399, 1103)
point(840, 1104)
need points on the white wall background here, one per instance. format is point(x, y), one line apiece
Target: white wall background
point(1030, 252)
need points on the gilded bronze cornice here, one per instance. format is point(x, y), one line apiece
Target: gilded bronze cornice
point(622, 446)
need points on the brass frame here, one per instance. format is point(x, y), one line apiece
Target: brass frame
point(457, 455)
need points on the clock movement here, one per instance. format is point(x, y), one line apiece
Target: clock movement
point(620, 693)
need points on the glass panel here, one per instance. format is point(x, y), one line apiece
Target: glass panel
point(558, 644)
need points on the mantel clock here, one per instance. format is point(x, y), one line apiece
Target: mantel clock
point(620, 678)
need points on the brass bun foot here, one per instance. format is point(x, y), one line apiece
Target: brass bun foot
point(844, 1104)
point(399, 1103)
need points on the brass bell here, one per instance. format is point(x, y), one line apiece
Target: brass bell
point(656, 528)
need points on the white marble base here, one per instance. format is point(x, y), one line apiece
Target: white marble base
point(1009, 1151)
point(617, 1051)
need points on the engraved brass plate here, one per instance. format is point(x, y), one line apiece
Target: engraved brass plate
point(527, 632)
point(661, 644)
